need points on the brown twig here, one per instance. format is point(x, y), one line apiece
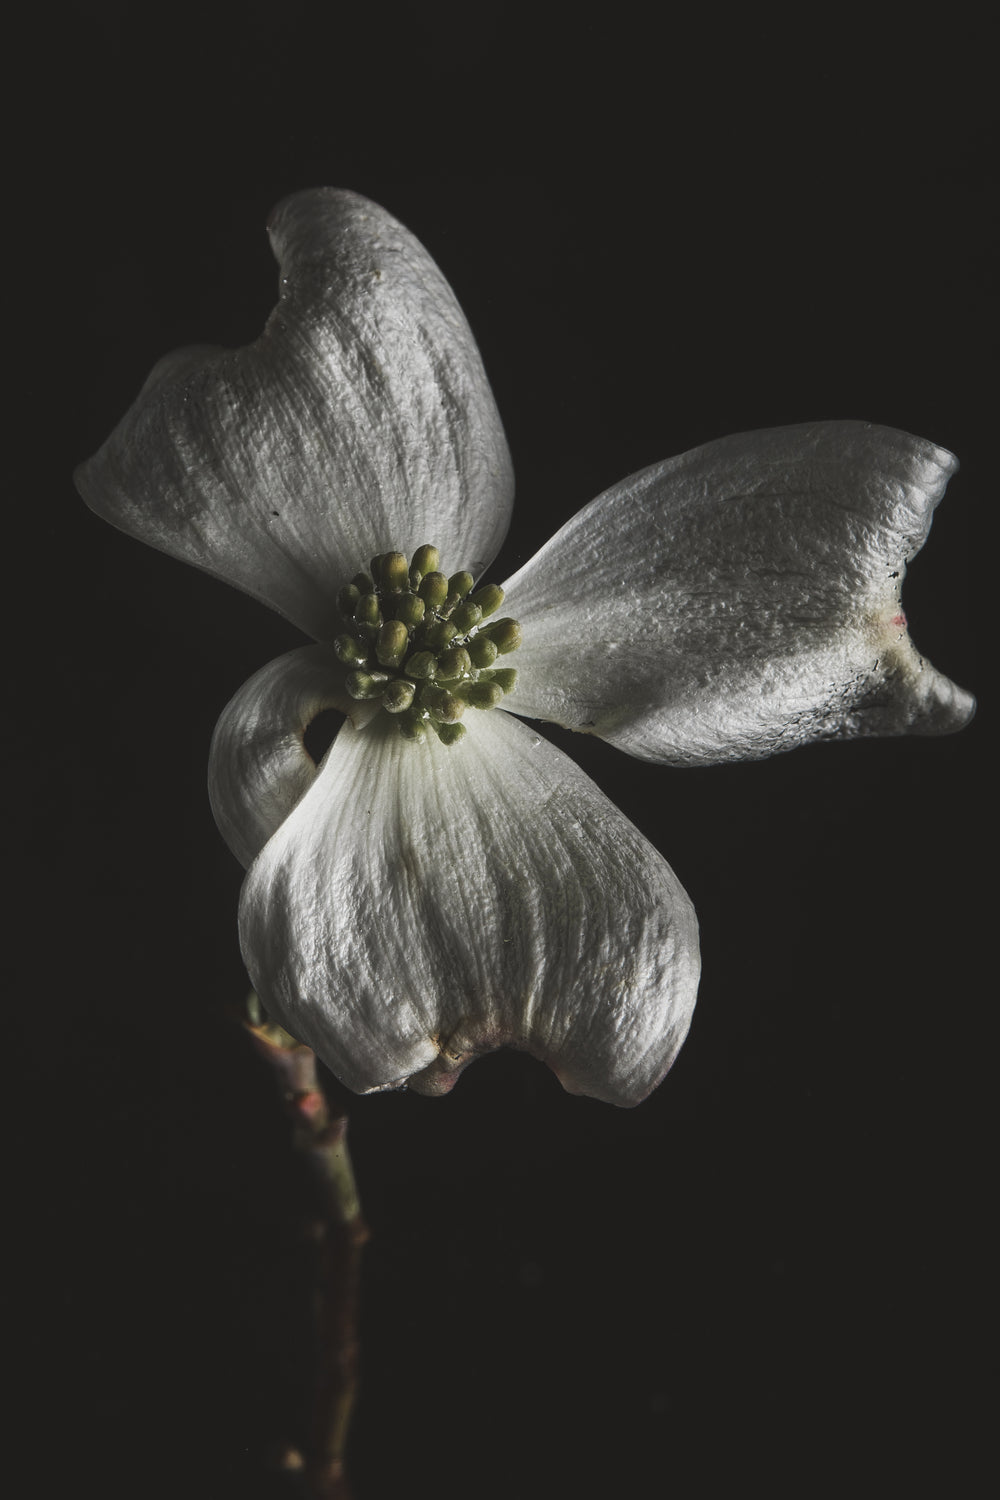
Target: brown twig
point(340, 1232)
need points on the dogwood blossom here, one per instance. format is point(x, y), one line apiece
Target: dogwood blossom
point(424, 895)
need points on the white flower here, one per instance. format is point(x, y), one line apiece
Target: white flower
point(412, 903)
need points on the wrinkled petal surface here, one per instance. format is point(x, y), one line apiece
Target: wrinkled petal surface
point(258, 767)
point(361, 421)
point(740, 600)
point(424, 904)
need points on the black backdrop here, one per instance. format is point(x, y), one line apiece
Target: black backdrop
point(767, 1274)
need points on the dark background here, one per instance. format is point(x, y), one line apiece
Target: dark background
point(772, 1273)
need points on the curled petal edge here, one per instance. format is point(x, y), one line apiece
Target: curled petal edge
point(259, 768)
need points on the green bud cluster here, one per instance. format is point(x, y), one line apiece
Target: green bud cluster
point(420, 643)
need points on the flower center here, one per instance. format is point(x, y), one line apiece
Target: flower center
point(417, 641)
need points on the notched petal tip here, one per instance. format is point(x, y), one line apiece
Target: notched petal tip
point(944, 707)
point(745, 598)
point(458, 1051)
point(584, 1074)
point(361, 416)
point(909, 696)
point(455, 1053)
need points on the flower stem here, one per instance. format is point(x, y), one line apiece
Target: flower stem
point(340, 1233)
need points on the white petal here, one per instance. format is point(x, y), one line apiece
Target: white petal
point(258, 766)
point(361, 421)
point(740, 600)
point(425, 904)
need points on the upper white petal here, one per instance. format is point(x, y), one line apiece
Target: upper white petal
point(424, 904)
point(361, 421)
point(258, 766)
point(740, 599)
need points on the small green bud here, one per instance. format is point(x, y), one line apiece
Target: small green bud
point(489, 598)
point(506, 633)
point(466, 617)
point(433, 590)
point(398, 696)
point(394, 573)
point(447, 733)
point(363, 685)
point(453, 663)
point(410, 610)
point(438, 634)
point(435, 656)
point(426, 559)
point(392, 643)
point(412, 726)
point(459, 584)
point(482, 650)
point(504, 677)
point(347, 600)
point(421, 664)
point(441, 704)
point(480, 694)
point(368, 611)
point(350, 651)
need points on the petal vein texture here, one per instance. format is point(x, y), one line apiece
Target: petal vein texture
point(424, 904)
point(740, 600)
point(360, 420)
